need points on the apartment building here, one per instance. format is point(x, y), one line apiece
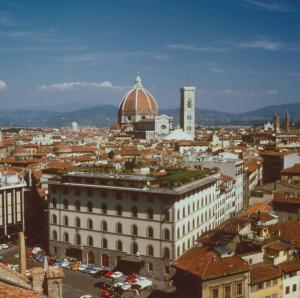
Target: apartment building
point(114, 219)
point(11, 206)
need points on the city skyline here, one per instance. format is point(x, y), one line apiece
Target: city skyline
point(240, 55)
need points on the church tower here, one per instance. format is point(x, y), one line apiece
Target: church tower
point(187, 110)
point(287, 121)
point(276, 123)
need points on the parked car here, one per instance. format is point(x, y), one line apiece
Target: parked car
point(75, 267)
point(88, 269)
point(36, 250)
point(65, 264)
point(131, 278)
point(51, 261)
point(94, 270)
point(101, 273)
point(103, 285)
point(117, 274)
point(142, 283)
point(58, 262)
point(124, 286)
point(4, 246)
point(86, 296)
point(106, 294)
point(30, 254)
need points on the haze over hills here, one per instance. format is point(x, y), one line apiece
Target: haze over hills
point(105, 115)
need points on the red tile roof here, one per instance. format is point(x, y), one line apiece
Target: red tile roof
point(14, 292)
point(263, 272)
point(207, 264)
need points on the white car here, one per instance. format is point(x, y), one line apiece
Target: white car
point(95, 270)
point(125, 286)
point(4, 246)
point(86, 296)
point(143, 282)
point(117, 274)
point(36, 250)
point(82, 267)
point(65, 264)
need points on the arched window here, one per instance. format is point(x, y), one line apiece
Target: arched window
point(189, 227)
point(134, 230)
point(119, 228)
point(134, 211)
point(178, 233)
point(119, 210)
point(90, 224)
point(119, 245)
point(134, 248)
point(166, 253)
point(183, 247)
point(104, 208)
point(54, 235)
point(198, 205)
point(104, 243)
point(150, 250)
point(150, 232)
point(54, 219)
point(89, 206)
point(166, 234)
point(183, 212)
point(66, 220)
point(178, 214)
point(183, 230)
point(90, 241)
point(77, 222)
point(150, 213)
point(54, 203)
point(77, 205)
point(66, 204)
point(178, 251)
point(66, 237)
point(78, 239)
point(104, 226)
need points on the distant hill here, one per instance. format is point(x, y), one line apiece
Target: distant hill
point(105, 115)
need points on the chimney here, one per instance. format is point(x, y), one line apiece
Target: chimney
point(54, 281)
point(38, 275)
point(22, 254)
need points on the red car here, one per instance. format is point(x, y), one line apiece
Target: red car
point(131, 278)
point(51, 261)
point(106, 294)
point(109, 274)
point(30, 254)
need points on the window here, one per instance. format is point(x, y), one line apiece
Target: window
point(66, 204)
point(119, 210)
point(215, 293)
point(119, 228)
point(89, 206)
point(227, 292)
point(78, 239)
point(103, 194)
point(54, 219)
point(104, 243)
point(239, 288)
point(178, 214)
point(104, 208)
point(150, 199)
point(166, 234)
point(294, 288)
point(54, 235)
point(77, 192)
point(134, 230)
point(90, 241)
point(178, 251)
point(104, 226)
point(90, 224)
point(166, 253)
point(150, 250)
point(89, 192)
point(183, 212)
point(178, 233)
point(65, 190)
point(134, 211)
point(53, 189)
point(77, 205)
point(134, 248)
point(150, 266)
point(119, 195)
point(287, 290)
point(150, 213)
point(54, 203)
point(134, 197)
point(119, 245)
point(150, 232)
point(66, 237)
point(66, 220)
point(167, 215)
point(167, 269)
point(77, 222)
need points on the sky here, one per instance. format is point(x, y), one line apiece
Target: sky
point(240, 54)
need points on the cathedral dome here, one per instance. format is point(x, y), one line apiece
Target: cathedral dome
point(137, 104)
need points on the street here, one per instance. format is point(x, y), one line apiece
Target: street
point(76, 284)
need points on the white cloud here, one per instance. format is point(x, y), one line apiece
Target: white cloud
point(3, 85)
point(230, 92)
point(216, 70)
point(269, 6)
point(270, 92)
point(190, 47)
point(261, 44)
point(65, 86)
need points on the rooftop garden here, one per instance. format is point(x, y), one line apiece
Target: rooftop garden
point(176, 177)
